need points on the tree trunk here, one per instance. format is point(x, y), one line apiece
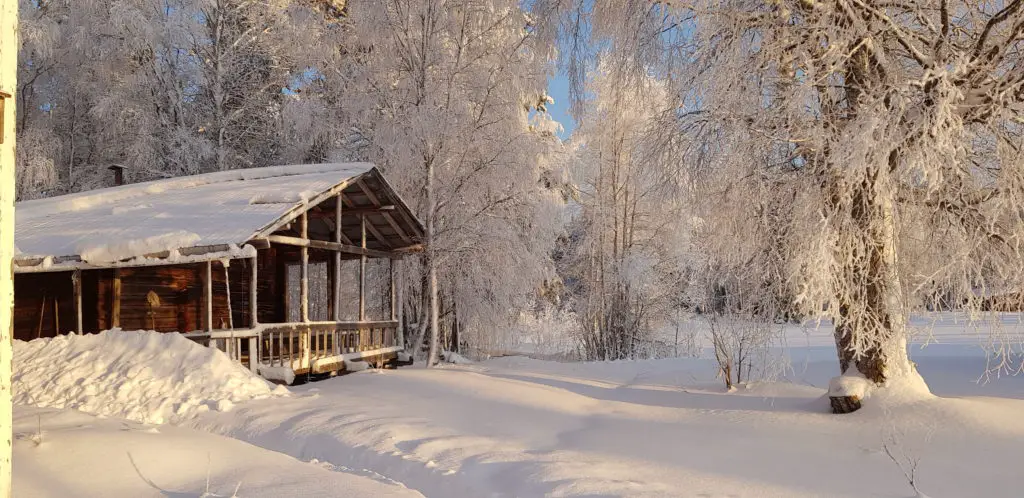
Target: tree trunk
point(455, 328)
point(422, 307)
point(431, 266)
point(218, 87)
point(871, 339)
point(8, 84)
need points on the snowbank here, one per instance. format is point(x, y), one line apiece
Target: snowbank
point(142, 376)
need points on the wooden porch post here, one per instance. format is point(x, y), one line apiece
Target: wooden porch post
point(76, 279)
point(208, 295)
point(401, 305)
point(336, 288)
point(304, 335)
point(304, 272)
point(227, 292)
point(233, 349)
point(392, 274)
point(253, 303)
point(254, 342)
point(337, 259)
point(115, 308)
point(362, 270)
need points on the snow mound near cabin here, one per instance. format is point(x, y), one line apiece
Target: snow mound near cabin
point(143, 376)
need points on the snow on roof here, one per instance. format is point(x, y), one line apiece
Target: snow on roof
point(113, 224)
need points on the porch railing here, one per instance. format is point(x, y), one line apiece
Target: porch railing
point(316, 347)
point(322, 346)
point(238, 344)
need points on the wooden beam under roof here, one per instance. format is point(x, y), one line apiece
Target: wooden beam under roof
point(329, 246)
point(317, 214)
point(406, 214)
point(330, 218)
point(387, 216)
point(350, 206)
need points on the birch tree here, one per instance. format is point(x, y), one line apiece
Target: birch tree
point(163, 88)
point(8, 92)
point(870, 120)
point(442, 92)
point(622, 256)
point(251, 54)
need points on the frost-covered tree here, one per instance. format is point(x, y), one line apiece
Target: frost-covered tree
point(441, 93)
point(890, 133)
point(622, 257)
point(163, 88)
point(252, 58)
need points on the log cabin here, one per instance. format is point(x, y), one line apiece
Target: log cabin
point(289, 270)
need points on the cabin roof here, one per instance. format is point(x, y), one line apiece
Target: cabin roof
point(105, 226)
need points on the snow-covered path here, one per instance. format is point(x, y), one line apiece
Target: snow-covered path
point(520, 427)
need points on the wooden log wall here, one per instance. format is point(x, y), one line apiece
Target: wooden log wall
point(161, 298)
point(44, 305)
point(171, 298)
point(270, 304)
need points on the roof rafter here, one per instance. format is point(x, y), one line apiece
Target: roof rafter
point(369, 226)
point(387, 216)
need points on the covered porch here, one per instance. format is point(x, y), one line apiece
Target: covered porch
point(326, 291)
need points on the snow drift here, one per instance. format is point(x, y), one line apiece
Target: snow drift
point(142, 376)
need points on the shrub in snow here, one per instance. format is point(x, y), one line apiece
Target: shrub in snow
point(742, 348)
point(455, 358)
point(545, 332)
point(147, 377)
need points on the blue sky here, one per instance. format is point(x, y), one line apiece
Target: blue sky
point(558, 89)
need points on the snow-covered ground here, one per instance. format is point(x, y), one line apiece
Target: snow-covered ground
point(80, 455)
point(516, 426)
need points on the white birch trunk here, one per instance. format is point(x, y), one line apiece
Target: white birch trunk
point(218, 86)
point(431, 266)
point(8, 84)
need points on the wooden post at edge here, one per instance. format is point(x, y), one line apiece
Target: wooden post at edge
point(208, 295)
point(362, 270)
point(115, 307)
point(76, 280)
point(254, 342)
